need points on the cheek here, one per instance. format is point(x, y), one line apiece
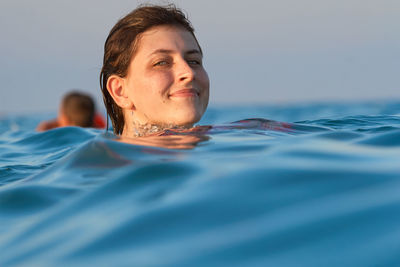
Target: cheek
point(147, 88)
point(159, 83)
point(203, 79)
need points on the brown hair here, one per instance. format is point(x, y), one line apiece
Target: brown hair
point(121, 45)
point(79, 108)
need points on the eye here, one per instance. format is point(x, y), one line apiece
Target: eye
point(161, 63)
point(194, 62)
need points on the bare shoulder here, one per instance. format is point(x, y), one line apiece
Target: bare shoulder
point(47, 125)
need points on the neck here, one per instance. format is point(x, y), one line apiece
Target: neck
point(136, 129)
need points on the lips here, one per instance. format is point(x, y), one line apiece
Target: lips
point(184, 93)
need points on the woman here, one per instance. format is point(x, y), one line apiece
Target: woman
point(152, 77)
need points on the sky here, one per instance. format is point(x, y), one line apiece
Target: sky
point(255, 51)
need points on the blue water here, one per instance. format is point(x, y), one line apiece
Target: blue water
point(322, 190)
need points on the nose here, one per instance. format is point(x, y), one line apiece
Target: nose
point(184, 71)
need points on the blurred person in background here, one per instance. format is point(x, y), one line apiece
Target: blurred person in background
point(76, 109)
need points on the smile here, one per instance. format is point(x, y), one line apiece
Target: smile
point(185, 93)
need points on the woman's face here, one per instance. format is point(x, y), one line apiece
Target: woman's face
point(166, 81)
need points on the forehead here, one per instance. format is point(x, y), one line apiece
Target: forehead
point(166, 37)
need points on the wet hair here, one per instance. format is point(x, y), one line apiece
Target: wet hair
point(122, 43)
point(79, 108)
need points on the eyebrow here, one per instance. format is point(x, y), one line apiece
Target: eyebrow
point(166, 51)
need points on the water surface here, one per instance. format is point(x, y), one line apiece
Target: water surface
point(318, 186)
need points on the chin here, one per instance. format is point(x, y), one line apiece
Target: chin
point(187, 119)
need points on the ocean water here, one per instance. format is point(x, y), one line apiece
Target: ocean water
point(294, 185)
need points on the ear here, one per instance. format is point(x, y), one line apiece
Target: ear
point(63, 120)
point(117, 89)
